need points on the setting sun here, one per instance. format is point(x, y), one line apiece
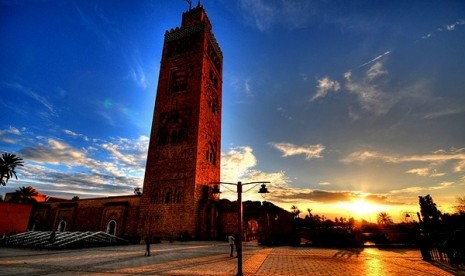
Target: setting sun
point(361, 208)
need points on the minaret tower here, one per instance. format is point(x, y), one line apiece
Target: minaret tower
point(185, 141)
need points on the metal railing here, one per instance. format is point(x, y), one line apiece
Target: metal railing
point(62, 240)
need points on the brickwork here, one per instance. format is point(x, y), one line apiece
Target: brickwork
point(93, 214)
point(185, 142)
point(14, 217)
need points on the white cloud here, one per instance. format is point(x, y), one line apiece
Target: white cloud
point(455, 157)
point(248, 88)
point(86, 172)
point(426, 172)
point(310, 151)
point(129, 153)
point(56, 152)
point(74, 134)
point(137, 74)
point(236, 163)
point(361, 156)
point(267, 14)
point(369, 90)
point(284, 113)
point(325, 85)
point(14, 130)
point(10, 130)
point(418, 190)
point(376, 70)
point(446, 27)
point(450, 27)
point(51, 111)
point(242, 85)
point(460, 166)
point(426, 36)
point(445, 112)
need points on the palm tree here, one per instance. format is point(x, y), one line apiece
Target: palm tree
point(25, 195)
point(295, 211)
point(310, 215)
point(384, 219)
point(8, 163)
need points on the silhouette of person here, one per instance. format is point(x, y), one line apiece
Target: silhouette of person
point(147, 245)
point(52, 237)
point(231, 241)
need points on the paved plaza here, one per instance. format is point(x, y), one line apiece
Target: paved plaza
point(212, 258)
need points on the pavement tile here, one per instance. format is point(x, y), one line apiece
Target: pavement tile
point(212, 258)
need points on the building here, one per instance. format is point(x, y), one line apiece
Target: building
point(183, 158)
point(184, 151)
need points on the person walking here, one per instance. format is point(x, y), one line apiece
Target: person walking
point(147, 245)
point(231, 241)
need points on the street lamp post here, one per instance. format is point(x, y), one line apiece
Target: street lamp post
point(240, 229)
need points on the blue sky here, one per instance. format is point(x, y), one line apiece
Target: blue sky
point(348, 107)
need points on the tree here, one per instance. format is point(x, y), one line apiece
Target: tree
point(8, 164)
point(310, 215)
point(460, 208)
point(429, 211)
point(384, 219)
point(295, 211)
point(25, 195)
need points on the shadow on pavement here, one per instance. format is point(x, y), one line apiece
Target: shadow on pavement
point(348, 253)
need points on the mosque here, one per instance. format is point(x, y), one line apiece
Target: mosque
point(183, 161)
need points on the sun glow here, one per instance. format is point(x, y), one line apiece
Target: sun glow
point(361, 208)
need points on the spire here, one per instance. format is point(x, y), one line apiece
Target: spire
point(190, 4)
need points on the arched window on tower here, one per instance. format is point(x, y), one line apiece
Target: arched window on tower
point(213, 102)
point(178, 197)
point(167, 196)
point(174, 136)
point(173, 130)
point(210, 153)
point(178, 81)
point(154, 198)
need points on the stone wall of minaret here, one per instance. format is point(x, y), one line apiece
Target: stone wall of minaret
point(185, 142)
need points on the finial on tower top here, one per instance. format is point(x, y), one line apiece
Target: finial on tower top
point(190, 4)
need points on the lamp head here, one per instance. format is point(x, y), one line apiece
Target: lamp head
point(216, 189)
point(263, 189)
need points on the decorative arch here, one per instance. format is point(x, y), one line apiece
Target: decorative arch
point(61, 226)
point(251, 231)
point(111, 227)
point(212, 97)
point(210, 153)
point(173, 130)
point(167, 196)
point(155, 197)
point(178, 196)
